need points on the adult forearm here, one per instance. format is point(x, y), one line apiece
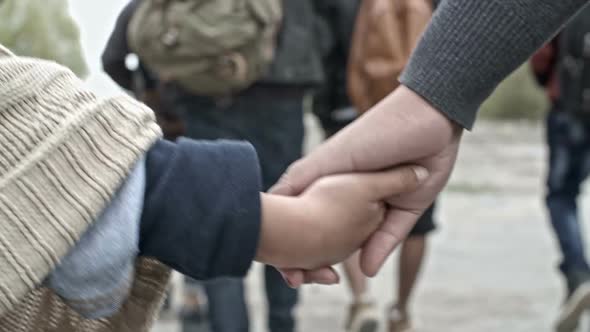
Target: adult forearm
point(471, 46)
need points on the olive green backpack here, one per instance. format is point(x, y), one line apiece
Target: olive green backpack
point(209, 47)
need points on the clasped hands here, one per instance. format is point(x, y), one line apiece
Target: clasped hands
point(363, 188)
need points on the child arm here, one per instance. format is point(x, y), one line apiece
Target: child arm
point(331, 219)
point(201, 211)
point(205, 217)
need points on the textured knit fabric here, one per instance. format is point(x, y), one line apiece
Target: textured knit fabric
point(63, 154)
point(43, 311)
point(202, 207)
point(94, 278)
point(470, 46)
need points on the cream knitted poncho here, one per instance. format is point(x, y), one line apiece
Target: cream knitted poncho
point(63, 154)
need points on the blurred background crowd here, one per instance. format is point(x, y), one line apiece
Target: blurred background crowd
point(487, 256)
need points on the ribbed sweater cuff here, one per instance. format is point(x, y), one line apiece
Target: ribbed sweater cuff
point(471, 46)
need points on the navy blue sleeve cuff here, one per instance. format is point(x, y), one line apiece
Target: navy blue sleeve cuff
point(202, 207)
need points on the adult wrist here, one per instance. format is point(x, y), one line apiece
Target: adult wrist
point(414, 128)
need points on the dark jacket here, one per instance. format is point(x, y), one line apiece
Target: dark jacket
point(544, 66)
point(201, 211)
point(117, 49)
point(574, 66)
point(298, 58)
point(562, 68)
point(331, 100)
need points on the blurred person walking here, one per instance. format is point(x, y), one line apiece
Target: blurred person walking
point(131, 74)
point(563, 67)
point(334, 109)
point(255, 92)
point(134, 76)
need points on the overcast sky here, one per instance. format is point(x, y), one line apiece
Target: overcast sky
point(96, 20)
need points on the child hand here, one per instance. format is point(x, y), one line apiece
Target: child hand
point(331, 219)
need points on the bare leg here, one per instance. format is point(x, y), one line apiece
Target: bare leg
point(410, 262)
point(362, 313)
point(356, 279)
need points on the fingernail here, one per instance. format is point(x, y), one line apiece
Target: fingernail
point(421, 173)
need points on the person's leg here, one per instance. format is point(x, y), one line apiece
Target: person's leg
point(272, 121)
point(410, 263)
point(227, 309)
point(202, 118)
point(281, 301)
point(568, 167)
point(193, 314)
point(565, 175)
point(362, 315)
point(357, 281)
point(279, 142)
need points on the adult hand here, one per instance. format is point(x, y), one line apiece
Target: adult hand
point(402, 129)
point(331, 219)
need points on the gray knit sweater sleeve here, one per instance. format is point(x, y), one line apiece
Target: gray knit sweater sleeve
point(472, 45)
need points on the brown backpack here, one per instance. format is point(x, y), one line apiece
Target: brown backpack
point(385, 34)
